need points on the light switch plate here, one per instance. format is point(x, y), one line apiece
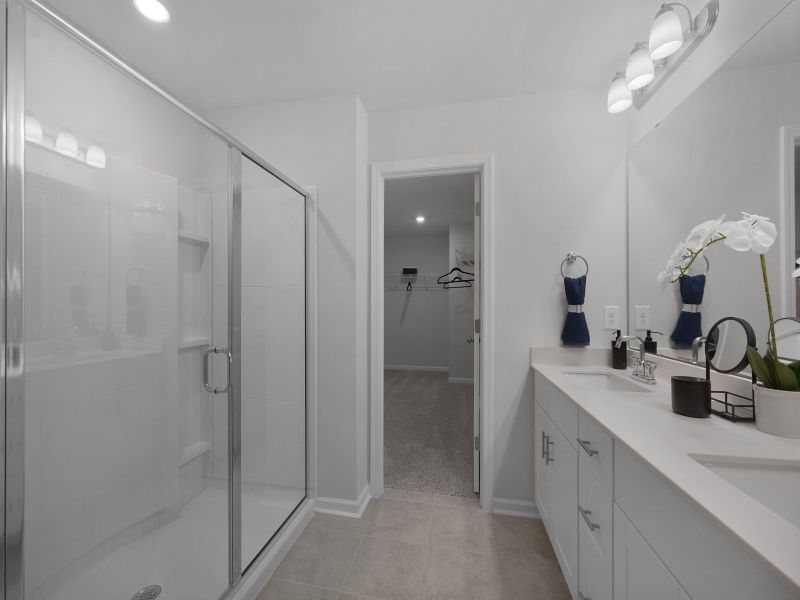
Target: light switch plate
point(611, 318)
point(641, 317)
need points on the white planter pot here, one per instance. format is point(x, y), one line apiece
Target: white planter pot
point(778, 412)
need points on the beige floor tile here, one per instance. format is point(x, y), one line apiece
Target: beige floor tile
point(278, 589)
point(399, 520)
point(456, 575)
point(408, 495)
point(536, 578)
point(462, 529)
point(458, 501)
point(338, 523)
point(386, 569)
point(320, 557)
point(519, 537)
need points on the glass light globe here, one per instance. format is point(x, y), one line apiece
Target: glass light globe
point(640, 70)
point(33, 130)
point(67, 144)
point(96, 157)
point(619, 96)
point(666, 34)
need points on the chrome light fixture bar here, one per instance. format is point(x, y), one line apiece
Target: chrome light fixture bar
point(669, 44)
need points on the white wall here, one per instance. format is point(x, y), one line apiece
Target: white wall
point(461, 309)
point(416, 323)
point(738, 21)
point(559, 186)
point(321, 143)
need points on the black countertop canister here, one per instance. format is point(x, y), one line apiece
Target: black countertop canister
point(691, 396)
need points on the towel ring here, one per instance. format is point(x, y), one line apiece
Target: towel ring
point(708, 265)
point(571, 258)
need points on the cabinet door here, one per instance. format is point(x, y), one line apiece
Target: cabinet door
point(564, 505)
point(638, 573)
point(542, 483)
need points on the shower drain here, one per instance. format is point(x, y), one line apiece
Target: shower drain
point(151, 592)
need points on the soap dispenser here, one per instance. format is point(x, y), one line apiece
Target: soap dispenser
point(619, 355)
point(650, 345)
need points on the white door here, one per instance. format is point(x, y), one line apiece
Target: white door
point(476, 350)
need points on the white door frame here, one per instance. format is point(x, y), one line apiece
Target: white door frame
point(789, 139)
point(482, 164)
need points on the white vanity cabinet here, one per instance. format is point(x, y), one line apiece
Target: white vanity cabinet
point(556, 468)
point(619, 530)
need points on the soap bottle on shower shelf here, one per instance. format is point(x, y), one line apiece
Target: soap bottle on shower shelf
point(619, 355)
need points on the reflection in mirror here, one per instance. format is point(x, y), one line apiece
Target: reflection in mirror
point(787, 336)
point(726, 344)
point(724, 150)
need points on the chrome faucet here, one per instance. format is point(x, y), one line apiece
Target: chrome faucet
point(643, 369)
point(700, 340)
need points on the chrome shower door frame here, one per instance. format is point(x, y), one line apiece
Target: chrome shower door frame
point(12, 377)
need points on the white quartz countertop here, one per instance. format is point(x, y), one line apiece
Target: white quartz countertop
point(645, 423)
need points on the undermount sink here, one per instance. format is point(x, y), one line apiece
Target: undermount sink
point(775, 484)
point(600, 380)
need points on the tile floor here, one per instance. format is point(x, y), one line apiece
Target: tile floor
point(420, 546)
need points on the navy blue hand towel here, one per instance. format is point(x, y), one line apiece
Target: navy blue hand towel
point(689, 324)
point(576, 331)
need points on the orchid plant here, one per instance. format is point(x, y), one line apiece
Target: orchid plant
point(751, 233)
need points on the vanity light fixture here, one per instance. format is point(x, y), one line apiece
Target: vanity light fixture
point(153, 9)
point(420, 219)
point(67, 144)
point(96, 157)
point(33, 130)
point(619, 96)
point(650, 63)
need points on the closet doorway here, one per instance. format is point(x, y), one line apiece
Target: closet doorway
point(429, 420)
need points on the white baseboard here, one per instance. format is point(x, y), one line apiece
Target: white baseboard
point(259, 574)
point(515, 508)
point(460, 380)
point(416, 368)
point(344, 508)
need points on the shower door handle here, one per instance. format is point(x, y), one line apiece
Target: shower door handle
point(207, 372)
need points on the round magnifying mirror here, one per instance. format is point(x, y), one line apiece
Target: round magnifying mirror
point(726, 344)
point(787, 336)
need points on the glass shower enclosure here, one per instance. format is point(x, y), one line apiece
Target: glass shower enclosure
point(154, 333)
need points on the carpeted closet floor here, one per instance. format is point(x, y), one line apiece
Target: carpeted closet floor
point(427, 432)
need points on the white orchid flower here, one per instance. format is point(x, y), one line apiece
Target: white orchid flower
point(704, 233)
point(752, 232)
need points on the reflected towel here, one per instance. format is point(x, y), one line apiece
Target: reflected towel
point(689, 324)
point(576, 331)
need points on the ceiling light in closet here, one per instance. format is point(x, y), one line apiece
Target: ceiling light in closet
point(619, 96)
point(153, 10)
point(420, 219)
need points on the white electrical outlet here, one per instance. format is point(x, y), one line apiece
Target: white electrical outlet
point(641, 317)
point(611, 318)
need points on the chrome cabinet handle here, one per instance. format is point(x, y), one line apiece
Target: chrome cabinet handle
point(543, 442)
point(586, 446)
point(206, 371)
point(582, 597)
point(586, 514)
point(548, 457)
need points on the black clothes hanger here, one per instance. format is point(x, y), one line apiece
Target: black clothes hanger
point(457, 282)
point(456, 279)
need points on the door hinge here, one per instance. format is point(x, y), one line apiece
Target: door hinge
point(477, 209)
point(477, 325)
point(477, 443)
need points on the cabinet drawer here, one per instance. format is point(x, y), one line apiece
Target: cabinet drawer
point(598, 448)
point(594, 568)
point(595, 507)
point(562, 410)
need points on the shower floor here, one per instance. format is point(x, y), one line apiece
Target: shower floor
point(187, 555)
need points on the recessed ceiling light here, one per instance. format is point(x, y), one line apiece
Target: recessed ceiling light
point(420, 219)
point(153, 10)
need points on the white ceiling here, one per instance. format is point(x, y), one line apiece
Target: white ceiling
point(394, 54)
point(777, 43)
point(443, 200)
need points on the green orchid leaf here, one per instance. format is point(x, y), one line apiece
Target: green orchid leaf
point(795, 366)
point(760, 368)
point(787, 380)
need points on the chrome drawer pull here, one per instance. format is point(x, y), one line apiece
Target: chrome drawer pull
point(585, 514)
point(582, 597)
point(543, 451)
point(586, 446)
point(549, 458)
